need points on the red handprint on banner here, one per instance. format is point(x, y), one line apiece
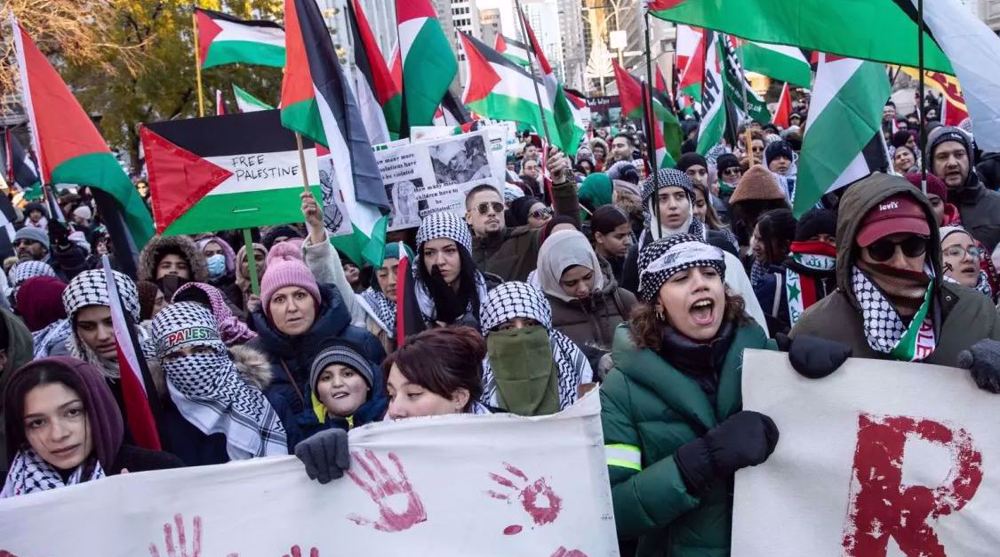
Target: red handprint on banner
point(563, 552)
point(384, 489)
point(297, 552)
point(537, 498)
point(172, 547)
point(5, 553)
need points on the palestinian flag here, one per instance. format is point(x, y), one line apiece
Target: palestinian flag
point(713, 110)
point(843, 141)
point(220, 103)
point(634, 95)
point(8, 216)
point(784, 111)
point(409, 320)
point(784, 63)
point(69, 148)
point(736, 83)
point(317, 102)
point(18, 166)
point(247, 102)
point(223, 39)
point(225, 173)
point(513, 49)
point(136, 382)
point(581, 110)
point(428, 64)
point(690, 48)
point(378, 96)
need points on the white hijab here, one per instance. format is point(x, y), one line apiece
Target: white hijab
point(561, 251)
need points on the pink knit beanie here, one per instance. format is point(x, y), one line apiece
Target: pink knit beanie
point(284, 250)
point(284, 272)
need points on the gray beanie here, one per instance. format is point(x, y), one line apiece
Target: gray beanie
point(948, 133)
point(33, 234)
point(346, 355)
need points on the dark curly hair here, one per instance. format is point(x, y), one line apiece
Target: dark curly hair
point(647, 328)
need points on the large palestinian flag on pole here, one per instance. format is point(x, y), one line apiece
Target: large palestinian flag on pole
point(713, 110)
point(317, 102)
point(784, 63)
point(69, 148)
point(224, 39)
point(634, 94)
point(513, 49)
point(225, 173)
point(843, 140)
point(428, 63)
point(378, 95)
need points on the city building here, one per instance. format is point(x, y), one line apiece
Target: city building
point(489, 25)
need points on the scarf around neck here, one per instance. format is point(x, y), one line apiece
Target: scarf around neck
point(29, 473)
point(383, 308)
point(808, 263)
point(884, 328)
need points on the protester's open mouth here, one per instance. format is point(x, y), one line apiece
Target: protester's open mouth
point(969, 270)
point(341, 395)
point(702, 311)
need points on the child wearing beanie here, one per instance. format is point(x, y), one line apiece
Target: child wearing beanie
point(341, 380)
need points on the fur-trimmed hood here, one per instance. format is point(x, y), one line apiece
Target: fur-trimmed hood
point(153, 252)
point(253, 365)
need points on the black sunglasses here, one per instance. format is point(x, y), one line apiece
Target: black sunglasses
point(732, 171)
point(541, 213)
point(485, 207)
point(883, 250)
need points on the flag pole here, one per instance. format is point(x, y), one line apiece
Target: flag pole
point(647, 107)
point(531, 67)
point(920, 101)
point(251, 262)
point(302, 162)
point(748, 137)
point(197, 65)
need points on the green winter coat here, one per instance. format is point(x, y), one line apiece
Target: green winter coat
point(649, 409)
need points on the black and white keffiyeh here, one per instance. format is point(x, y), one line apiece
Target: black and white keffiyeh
point(383, 308)
point(666, 178)
point(444, 225)
point(207, 387)
point(663, 258)
point(29, 473)
point(29, 269)
point(519, 299)
point(884, 328)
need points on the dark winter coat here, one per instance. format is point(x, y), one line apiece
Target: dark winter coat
point(980, 210)
point(291, 359)
point(649, 409)
point(137, 459)
point(966, 315)
point(770, 292)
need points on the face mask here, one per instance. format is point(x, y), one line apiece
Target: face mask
point(525, 385)
point(216, 265)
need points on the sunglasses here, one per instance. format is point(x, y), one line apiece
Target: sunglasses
point(485, 207)
point(975, 252)
point(732, 171)
point(883, 250)
point(541, 213)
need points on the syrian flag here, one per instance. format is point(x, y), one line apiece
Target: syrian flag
point(409, 320)
point(513, 49)
point(69, 148)
point(220, 103)
point(713, 111)
point(225, 173)
point(138, 392)
point(378, 96)
point(634, 95)
point(20, 169)
point(784, 110)
point(784, 63)
point(843, 141)
point(317, 102)
point(223, 39)
point(246, 102)
point(427, 61)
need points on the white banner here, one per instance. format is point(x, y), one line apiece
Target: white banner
point(454, 485)
point(878, 459)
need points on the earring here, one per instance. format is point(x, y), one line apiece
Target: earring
point(659, 313)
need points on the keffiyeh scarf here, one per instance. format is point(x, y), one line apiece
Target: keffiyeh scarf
point(884, 328)
point(207, 387)
point(982, 284)
point(232, 330)
point(29, 473)
point(383, 308)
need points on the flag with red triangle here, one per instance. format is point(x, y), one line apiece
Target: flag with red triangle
point(378, 95)
point(784, 110)
point(633, 95)
point(224, 39)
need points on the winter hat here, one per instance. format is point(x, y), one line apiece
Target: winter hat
point(595, 191)
point(39, 302)
point(949, 230)
point(444, 224)
point(757, 184)
point(515, 299)
point(948, 133)
point(666, 177)
point(286, 272)
point(83, 212)
point(520, 209)
point(283, 250)
point(815, 222)
point(27, 270)
point(935, 185)
point(276, 232)
point(624, 170)
point(688, 160)
point(725, 162)
point(147, 298)
point(343, 353)
point(664, 258)
point(33, 234)
point(184, 324)
point(777, 149)
point(31, 207)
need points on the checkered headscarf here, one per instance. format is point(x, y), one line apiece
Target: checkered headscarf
point(207, 387)
point(444, 225)
point(29, 269)
point(666, 177)
point(520, 299)
point(663, 258)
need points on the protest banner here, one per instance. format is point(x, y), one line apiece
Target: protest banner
point(225, 172)
point(449, 485)
point(880, 458)
point(434, 175)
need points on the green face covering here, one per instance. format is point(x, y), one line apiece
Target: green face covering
point(526, 375)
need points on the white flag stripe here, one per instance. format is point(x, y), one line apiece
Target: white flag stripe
point(232, 31)
point(829, 73)
point(250, 174)
point(120, 326)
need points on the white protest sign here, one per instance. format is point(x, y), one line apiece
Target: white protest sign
point(878, 459)
point(434, 175)
point(454, 485)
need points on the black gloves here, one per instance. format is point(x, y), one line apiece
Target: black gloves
point(325, 455)
point(745, 439)
point(983, 360)
point(813, 357)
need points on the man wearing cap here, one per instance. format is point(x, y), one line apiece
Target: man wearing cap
point(31, 244)
point(891, 302)
point(950, 156)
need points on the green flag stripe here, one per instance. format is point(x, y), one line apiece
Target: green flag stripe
point(776, 65)
point(246, 52)
point(303, 117)
point(229, 211)
point(427, 72)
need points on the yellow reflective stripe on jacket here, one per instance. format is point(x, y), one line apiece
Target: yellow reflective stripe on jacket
point(625, 456)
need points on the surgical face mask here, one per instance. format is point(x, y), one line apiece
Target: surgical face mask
point(216, 265)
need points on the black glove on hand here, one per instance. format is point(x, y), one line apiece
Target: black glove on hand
point(813, 357)
point(983, 360)
point(745, 439)
point(325, 455)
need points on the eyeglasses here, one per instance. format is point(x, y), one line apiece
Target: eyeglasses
point(485, 207)
point(975, 252)
point(541, 213)
point(732, 171)
point(912, 246)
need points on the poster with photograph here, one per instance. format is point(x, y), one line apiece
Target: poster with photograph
point(435, 174)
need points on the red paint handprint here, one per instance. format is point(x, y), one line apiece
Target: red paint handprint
point(168, 539)
point(537, 498)
point(5, 553)
point(384, 489)
point(297, 552)
point(563, 552)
